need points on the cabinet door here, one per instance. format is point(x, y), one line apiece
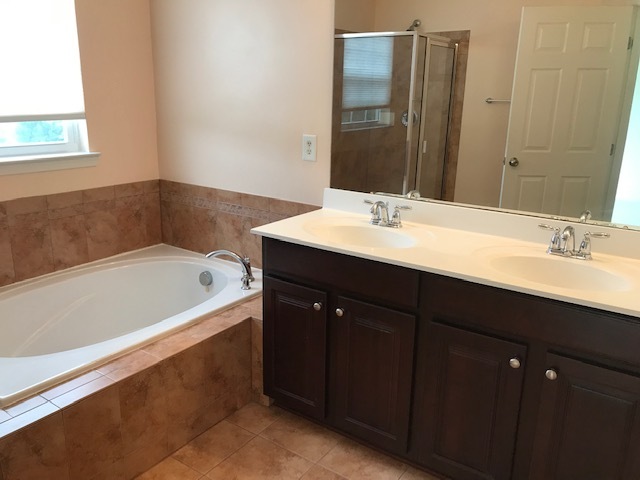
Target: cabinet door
point(295, 346)
point(371, 371)
point(588, 425)
point(468, 389)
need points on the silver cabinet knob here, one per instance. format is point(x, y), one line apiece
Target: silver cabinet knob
point(514, 362)
point(317, 306)
point(339, 312)
point(551, 374)
point(514, 162)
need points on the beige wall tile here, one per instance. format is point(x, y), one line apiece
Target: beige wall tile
point(35, 452)
point(143, 411)
point(129, 189)
point(3, 214)
point(151, 186)
point(103, 235)
point(7, 273)
point(227, 363)
point(98, 194)
point(31, 249)
point(23, 206)
point(69, 242)
point(92, 431)
point(65, 204)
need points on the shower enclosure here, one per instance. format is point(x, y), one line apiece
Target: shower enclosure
point(392, 96)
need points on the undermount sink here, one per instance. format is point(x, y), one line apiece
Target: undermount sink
point(361, 235)
point(560, 272)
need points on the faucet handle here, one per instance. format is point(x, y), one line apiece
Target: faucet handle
point(584, 252)
point(247, 262)
point(554, 243)
point(395, 219)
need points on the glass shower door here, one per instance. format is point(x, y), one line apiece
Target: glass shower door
point(372, 79)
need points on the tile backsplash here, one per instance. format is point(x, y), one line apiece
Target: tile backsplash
point(43, 234)
point(203, 219)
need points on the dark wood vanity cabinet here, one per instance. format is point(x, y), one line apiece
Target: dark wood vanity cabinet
point(339, 340)
point(468, 389)
point(588, 423)
point(295, 339)
point(469, 381)
point(511, 386)
point(371, 372)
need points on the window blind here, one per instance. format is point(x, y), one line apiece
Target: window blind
point(41, 78)
point(368, 67)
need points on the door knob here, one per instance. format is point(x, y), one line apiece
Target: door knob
point(514, 362)
point(514, 162)
point(317, 306)
point(339, 312)
point(551, 374)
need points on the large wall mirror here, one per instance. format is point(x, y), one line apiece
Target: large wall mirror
point(506, 151)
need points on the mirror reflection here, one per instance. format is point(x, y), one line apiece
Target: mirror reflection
point(562, 145)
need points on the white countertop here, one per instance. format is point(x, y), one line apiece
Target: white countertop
point(475, 245)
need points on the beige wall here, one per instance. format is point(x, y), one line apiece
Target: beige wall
point(355, 15)
point(115, 49)
point(238, 83)
point(494, 34)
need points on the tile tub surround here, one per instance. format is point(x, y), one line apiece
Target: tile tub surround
point(43, 234)
point(120, 419)
point(203, 219)
point(39, 235)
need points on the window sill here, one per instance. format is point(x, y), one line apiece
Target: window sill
point(46, 163)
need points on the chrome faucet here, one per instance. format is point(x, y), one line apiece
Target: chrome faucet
point(585, 216)
point(413, 194)
point(245, 263)
point(568, 234)
point(379, 213)
point(559, 244)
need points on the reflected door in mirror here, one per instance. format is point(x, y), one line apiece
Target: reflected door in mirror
point(570, 70)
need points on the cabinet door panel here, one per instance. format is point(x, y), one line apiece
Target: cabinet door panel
point(372, 371)
point(467, 406)
point(295, 346)
point(588, 424)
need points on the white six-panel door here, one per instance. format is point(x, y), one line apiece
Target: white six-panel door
point(570, 71)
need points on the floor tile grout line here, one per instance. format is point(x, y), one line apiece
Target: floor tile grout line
point(173, 455)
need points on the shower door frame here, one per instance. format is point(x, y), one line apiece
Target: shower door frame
point(445, 42)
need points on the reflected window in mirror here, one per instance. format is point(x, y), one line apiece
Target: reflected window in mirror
point(366, 88)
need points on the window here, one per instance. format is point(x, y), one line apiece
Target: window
point(41, 98)
point(366, 88)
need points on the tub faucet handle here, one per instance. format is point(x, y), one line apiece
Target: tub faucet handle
point(247, 263)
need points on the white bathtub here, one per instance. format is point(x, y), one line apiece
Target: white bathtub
point(56, 326)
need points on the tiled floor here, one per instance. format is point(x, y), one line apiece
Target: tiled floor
point(268, 443)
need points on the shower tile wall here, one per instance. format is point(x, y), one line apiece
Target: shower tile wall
point(43, 234)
